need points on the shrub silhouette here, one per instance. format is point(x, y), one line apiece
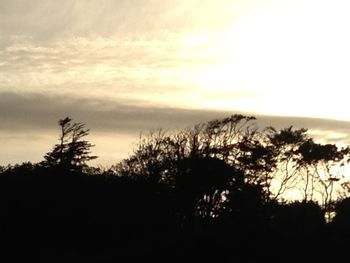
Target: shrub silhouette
point(215, 190)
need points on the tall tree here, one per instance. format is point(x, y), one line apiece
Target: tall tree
point(72, 152)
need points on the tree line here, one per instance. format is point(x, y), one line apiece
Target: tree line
point(218, 189)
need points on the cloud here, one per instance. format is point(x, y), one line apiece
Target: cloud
point(47, 21)
point(157, 68)
point(324, 130)
point(29, 124)
point(41, 111)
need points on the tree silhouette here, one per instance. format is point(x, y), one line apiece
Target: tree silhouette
point(284, 175)
point(72, 152)
point(325, 165)
point(217, 189)
point(203, 185)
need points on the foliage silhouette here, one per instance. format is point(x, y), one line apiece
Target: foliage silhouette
point(215, 190)
point(72, 152)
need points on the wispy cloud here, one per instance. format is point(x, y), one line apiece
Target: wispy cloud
point(156, 69)
point(47, 21)
point(155, 50)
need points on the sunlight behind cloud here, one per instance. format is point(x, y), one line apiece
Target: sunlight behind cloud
point(293, 55)
point(269, 57)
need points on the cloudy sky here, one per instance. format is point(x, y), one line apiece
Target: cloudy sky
point(126, 66)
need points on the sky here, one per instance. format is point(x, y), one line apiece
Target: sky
point(128, 66)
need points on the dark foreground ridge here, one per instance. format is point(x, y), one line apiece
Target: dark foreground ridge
point(217, 191)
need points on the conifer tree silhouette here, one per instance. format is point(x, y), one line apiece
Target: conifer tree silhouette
point(72, 152)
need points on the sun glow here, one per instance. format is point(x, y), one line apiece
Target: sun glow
point(294, 57)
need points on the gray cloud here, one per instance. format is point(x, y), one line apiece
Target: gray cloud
point(38, 111)
point(28, 124)
point(324, 130)
point(22, 111)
